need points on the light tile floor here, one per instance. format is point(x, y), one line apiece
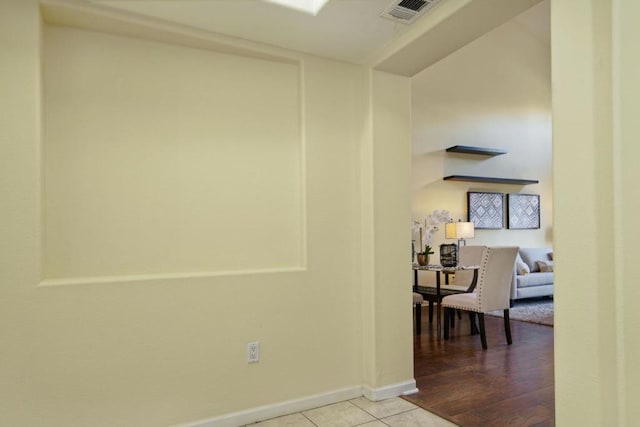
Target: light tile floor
point(394, 412)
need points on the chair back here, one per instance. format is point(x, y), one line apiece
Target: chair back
point(469, 255)
point(494, 278)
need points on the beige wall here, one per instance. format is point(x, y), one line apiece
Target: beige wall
point(596, 105)
point(148, 304)
point(391, 148)
point(182, 161)
point(494, 92)
point(626, 152)
point(161, 351)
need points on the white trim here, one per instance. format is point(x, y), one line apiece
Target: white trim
point(389, 391)
point(266, 412)
point(163, 276)
point(260, 413)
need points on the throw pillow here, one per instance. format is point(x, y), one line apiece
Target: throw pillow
point(545, 266)
point(521, 266)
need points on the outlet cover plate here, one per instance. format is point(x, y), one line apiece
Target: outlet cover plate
point(253, 352)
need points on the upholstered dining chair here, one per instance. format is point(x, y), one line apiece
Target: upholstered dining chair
point(491, 293)
point(469, 255)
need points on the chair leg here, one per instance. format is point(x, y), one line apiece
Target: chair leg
point(507, 326)
point(418, 309)
point(472, 323)
point(446, 323)
point(459, 314)
point(453, 318)
point(483, 335)
point(430, 312)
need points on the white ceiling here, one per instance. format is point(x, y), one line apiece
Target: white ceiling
point(537, 22)
point(347, 30)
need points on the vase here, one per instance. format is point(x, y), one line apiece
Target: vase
point(423, 259)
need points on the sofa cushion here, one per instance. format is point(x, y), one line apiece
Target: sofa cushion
point(531, 256)
point(521, 266)
point(545, 266)
point(534, 279)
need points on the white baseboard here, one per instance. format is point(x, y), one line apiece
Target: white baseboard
point(236, 419)
point(389, 391)
point(266, 412)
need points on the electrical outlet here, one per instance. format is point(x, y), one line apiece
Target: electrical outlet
point(253, 352)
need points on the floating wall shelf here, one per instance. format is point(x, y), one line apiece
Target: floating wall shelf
point(490, 179)
point(468, 149)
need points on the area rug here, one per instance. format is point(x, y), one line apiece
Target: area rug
point(531, 310)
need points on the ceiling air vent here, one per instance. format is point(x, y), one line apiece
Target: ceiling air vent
point(405, 11)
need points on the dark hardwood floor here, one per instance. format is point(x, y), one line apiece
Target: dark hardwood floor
point(506, 385)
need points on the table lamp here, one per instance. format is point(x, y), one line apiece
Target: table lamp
point(459, 231)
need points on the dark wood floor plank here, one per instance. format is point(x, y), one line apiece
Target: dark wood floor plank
point(506, 385)
point(535, 408)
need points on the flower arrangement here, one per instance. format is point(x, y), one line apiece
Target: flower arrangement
point(429, 228)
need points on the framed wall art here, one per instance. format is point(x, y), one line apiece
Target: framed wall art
point(523, 211)
point(485, 210)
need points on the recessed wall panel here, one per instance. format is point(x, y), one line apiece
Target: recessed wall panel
point(162, 159)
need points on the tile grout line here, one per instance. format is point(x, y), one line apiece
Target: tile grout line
point(365, 411)
point(382, 420)
point(376, 418)
point(310, 420)
point(362, 409)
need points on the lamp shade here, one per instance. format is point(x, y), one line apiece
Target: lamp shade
point(459, 230)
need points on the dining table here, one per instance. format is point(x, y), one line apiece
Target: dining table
point(439, 291)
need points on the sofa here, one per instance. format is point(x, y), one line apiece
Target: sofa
point(532, 273)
